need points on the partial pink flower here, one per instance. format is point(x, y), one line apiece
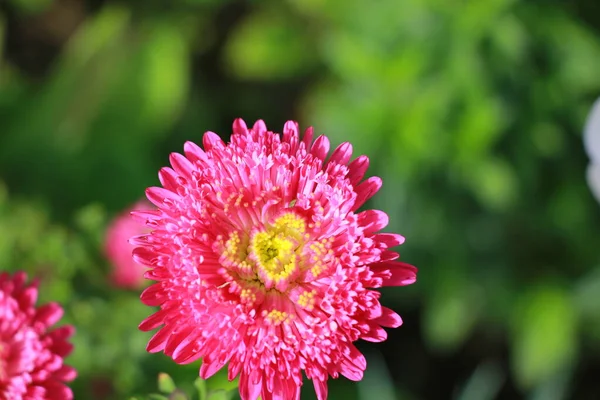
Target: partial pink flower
point(263, 261)
point(126, 273)
point(31, 352)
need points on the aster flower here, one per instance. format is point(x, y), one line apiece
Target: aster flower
point(263, 261)
point(125, 273)
point(31, 353)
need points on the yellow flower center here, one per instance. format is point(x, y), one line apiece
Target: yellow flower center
point(271, 257)
point(275, 251)
point(275, 258)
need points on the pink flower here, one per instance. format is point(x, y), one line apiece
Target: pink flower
point(262, 260)
point(126, 273)
point(31, 354)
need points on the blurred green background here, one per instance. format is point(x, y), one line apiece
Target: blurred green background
point(470, 110)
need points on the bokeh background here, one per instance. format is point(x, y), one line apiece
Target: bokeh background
point(470, 110)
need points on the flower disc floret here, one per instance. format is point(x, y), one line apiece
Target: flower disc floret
point(262, 260)
point(270, 256)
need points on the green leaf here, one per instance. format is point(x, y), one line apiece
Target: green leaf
point(163, 75)
point(587, 295)
point(3, 193)
point(219, 395)
point(555, 387)
point(157, 397)
point(200, 385)
point(220, 381)
point(544, 336)
point(166, 383)
point(451, 313)
point(485, 382)
point(32, 6)
point(377, 379)
point(494, 182)
point(267, 46)
point(98, 33)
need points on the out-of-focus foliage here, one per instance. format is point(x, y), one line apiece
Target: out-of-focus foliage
point(169, 391)
point(471, 111)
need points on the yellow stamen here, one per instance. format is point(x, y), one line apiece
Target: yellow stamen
point(307, 300)
point(276, 317)
point(275, 249)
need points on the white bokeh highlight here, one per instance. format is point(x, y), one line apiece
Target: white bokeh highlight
point(593, 179)
point(591, 141)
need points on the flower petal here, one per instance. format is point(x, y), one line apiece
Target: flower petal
point(320, 389)
point(389, 318)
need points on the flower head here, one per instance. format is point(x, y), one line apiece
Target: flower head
point(31, 353)
point(126, 273)
point(591, 140)
point(263, 261)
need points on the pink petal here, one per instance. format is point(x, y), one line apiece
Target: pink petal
point(159, 339)
point(168, 178)
point(144, 217)
point(388, 318)
point(208, 369)
point(28, 298)
point(320, 389)
point(308, 136)
point(211, 139)
point(143, 256)
point(320, 147)
point(389, 239)
point(193, 152)
point(400, 274)
point(341, 155)
point(158, 196)
point(153, 321)
point(354, 365)
point(373, 220)
point(290, 130)
point(181, 165)
point(49, 314)
point(153, 295)
point(65, 373)
point(57, 391)
point(357, 169)
point(239, 128)
point(63, 333)
point(366, 190)
point(376, 334)
point(249, 390)
point(259, 127)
